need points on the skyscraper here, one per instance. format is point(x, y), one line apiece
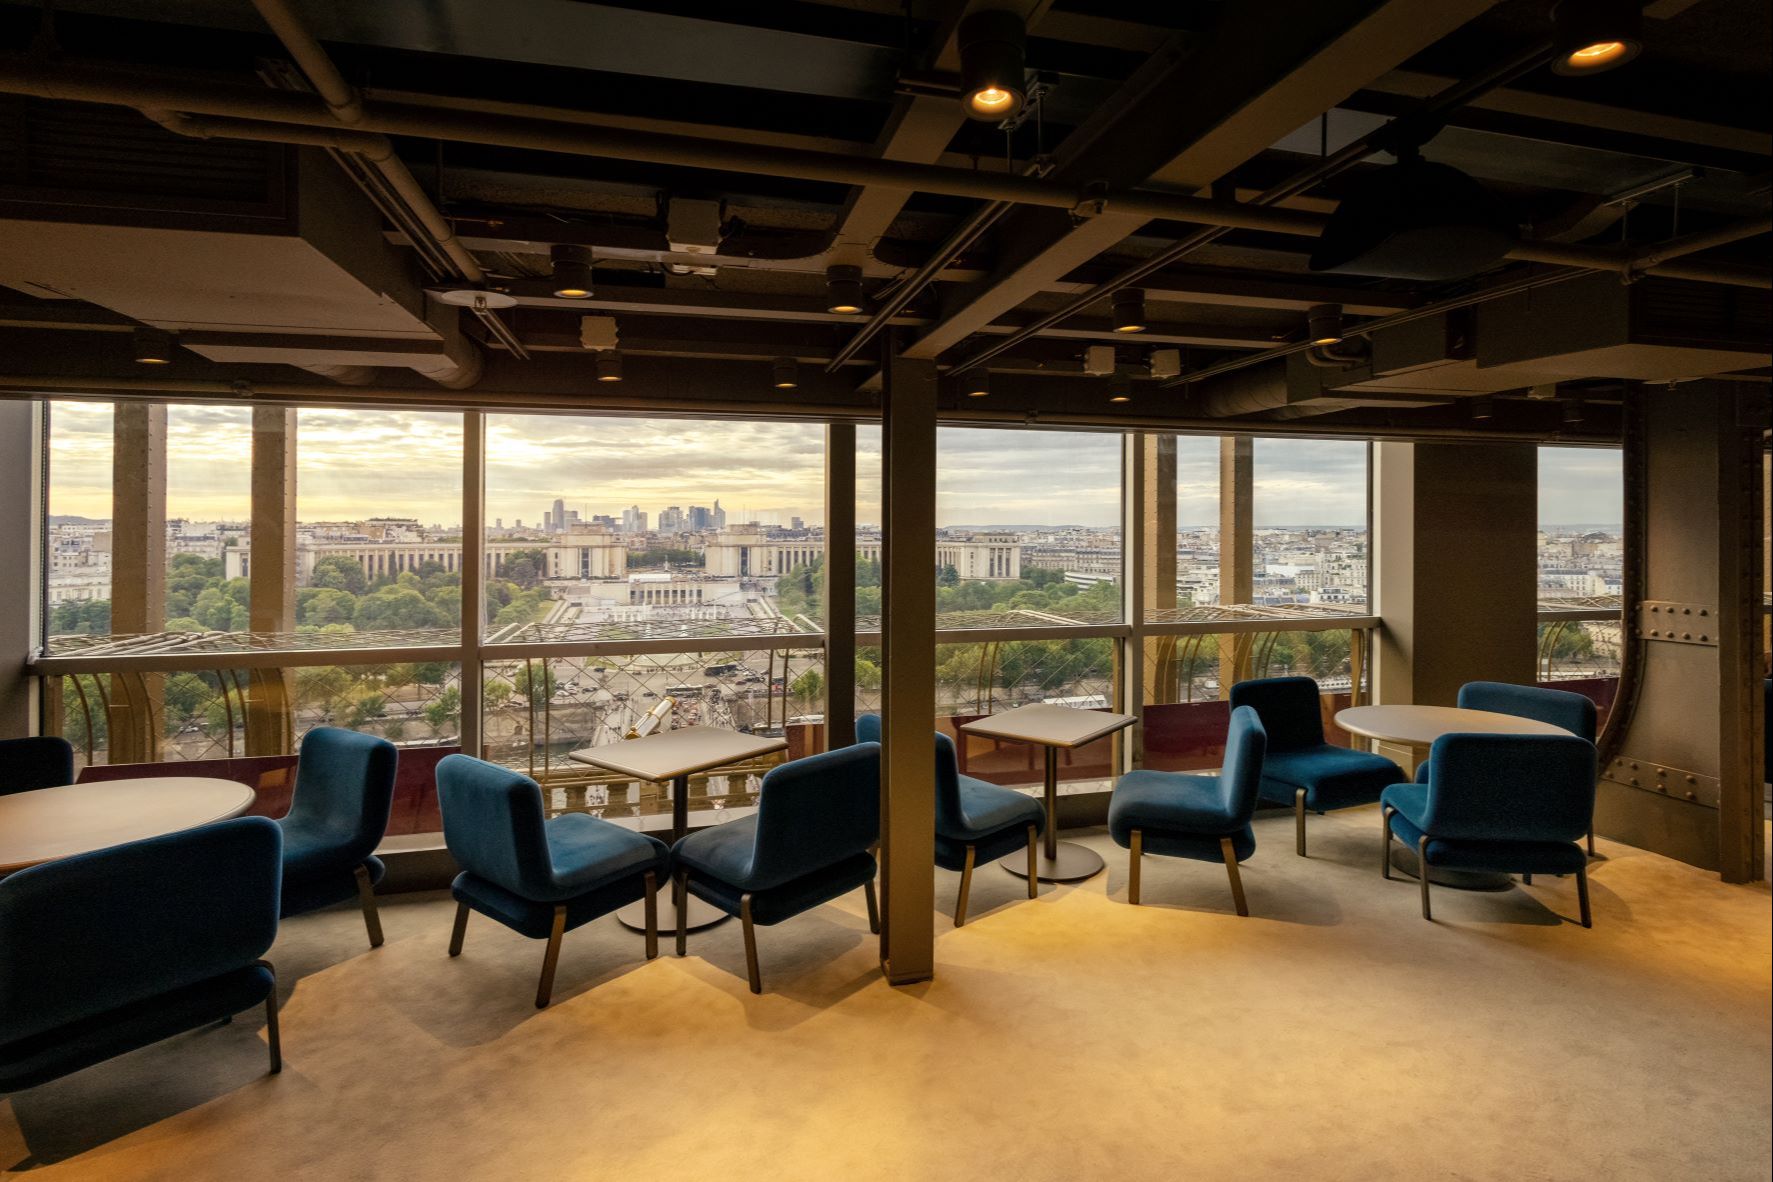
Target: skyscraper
point(558, 524)
point(719, 516)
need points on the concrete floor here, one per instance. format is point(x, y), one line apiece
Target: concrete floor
point(1332, 1035)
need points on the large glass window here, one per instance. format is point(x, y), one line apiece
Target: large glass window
point(1581, 559)
point(77, 574)
point(378, 543)
point(208, 518)
point(1028, 527)
point(1310, 514)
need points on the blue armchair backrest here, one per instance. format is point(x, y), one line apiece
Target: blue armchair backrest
point(493, 824)
point(345, 783)
point(91, 933)
point(1240, 776)
point(1510, 787)
point(815, 812)
point(1573, 712)
point(1290, 709)
point(42, 761)
point(948, 812)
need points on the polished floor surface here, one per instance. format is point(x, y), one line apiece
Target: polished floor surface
point(1332, 1035)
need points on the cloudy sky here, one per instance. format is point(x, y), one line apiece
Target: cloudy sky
point(356, 464)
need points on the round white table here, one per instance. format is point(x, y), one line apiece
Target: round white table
point(49, 823)
point(1419, 727)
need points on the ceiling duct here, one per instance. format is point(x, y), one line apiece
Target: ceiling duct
point(263, 255)
point(1415, 220)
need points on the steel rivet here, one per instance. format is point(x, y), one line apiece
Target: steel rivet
point(1690, 796)
point(1686, 636)
point(1686, 611)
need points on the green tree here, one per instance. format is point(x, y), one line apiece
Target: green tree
point(807, 688)
point(324, 605)
point(443, 709)
point(365, 708)
point(538, 688)
point(395, 606)
point(340, 574)
point(495, 693)
point(867, 674)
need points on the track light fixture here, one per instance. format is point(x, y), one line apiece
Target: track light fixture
point(1120, 389)
point(152, 346)
point(1129, 309)
point(975, 383)
point(993, 68)
point(785, 373)
point(1572, 412)
point(572, 271)
point(843, 289)
point(609, 366)
point(1593, 36)
point(1324, 324)
point(1483, 408)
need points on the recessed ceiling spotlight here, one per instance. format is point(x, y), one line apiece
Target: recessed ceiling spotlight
point(1119, 389)
point(1572, 412)
point(993, 69)
point(975, 383)
point(1482, 408)
point(1593, 36)
point(152, 346)
point(1129, 309)
point(785, 373)
point(572, 271)
point(609, 366)
point(843, 289)
point(1324, 324)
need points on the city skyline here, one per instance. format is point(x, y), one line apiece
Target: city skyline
point(603, 466)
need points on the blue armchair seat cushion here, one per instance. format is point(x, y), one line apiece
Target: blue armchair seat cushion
point(55, 1053)
point(774, 904)
point(1178, 815)
point(1333, 777)
point(987, 808)
point(534, 919)
point(313, 891)
point(1506, 857)
point(587, 852)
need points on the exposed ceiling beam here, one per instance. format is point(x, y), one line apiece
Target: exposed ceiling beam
point(1185, 120)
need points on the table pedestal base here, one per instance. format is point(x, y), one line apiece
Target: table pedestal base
point(1403, 860)
point(701, 915)
point(1070, 863)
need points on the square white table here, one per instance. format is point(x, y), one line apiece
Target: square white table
point(675, 756)
point(1053, 728)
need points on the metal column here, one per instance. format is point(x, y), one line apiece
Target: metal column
point(908, 687)
point(840, 585)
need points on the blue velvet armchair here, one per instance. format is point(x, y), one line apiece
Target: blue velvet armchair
point(1573, 712)
point(113, 950)
point(540, 878)
point(1202, 817)
point(1510, 804)
point(43, 761)
point(1301, 769)
point(811, 840)
point(337, 816)
point(976, 821)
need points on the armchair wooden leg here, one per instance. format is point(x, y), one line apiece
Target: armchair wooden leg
point(1237, 883)
point(1582, 897)
point(680, 896)
point(1033, 865)
point(1527, 879)
point(273, 1037)
point(966, 886)
point(1385, 842)
point(1591, 841)
point(750, 943)
point(1137, 849)
point(459, 931)
point(652, 915)
point(366, 895)
point(1299, 821)
point(1422, 874)
point(551, 958)
point(873, 907)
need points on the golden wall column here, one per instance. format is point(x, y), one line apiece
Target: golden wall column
point(1158, 573)
point(270, 721)
point(138, 573)
point(1237, 545)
